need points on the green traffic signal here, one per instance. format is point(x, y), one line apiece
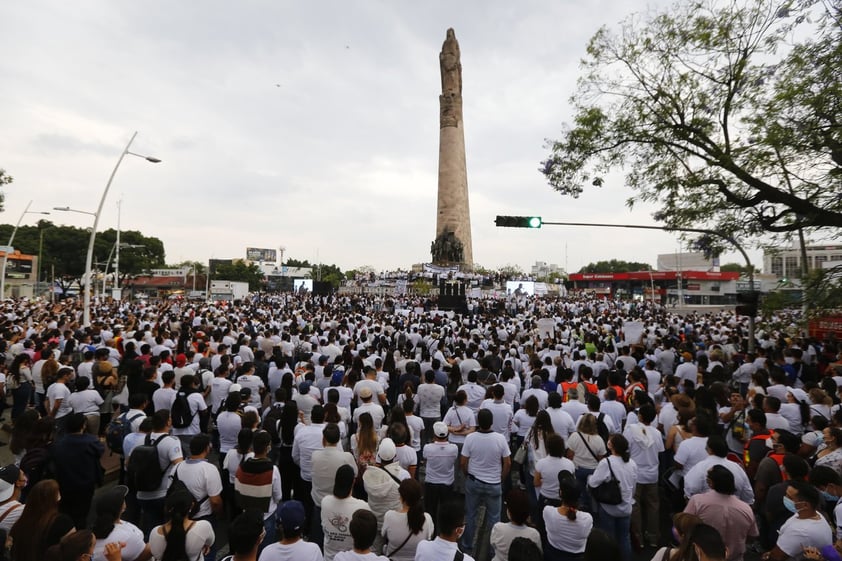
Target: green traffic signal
point(518, 221)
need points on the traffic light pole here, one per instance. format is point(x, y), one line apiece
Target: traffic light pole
point(729, 239)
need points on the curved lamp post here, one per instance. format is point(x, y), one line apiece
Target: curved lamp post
point(86, 318)
point(9, 247)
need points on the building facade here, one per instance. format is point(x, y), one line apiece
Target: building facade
point(785, 263)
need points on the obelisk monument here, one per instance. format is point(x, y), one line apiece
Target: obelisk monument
point(452, 245)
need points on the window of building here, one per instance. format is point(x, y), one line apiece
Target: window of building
point(792, 268)
point(778, 266)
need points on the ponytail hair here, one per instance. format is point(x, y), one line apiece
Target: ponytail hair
point(178, 505)
point(410, 493)
point(621, 447)
point(569, 493)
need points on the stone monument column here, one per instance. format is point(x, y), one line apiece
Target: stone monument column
point(453, 218)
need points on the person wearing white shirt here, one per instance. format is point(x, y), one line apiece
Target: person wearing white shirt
point(325, 462)
point(196, 404)
point(615, 519)
point(306, 440)
point(645, 445)
point(536, 390)
point(695, 480)
point(58, 400)
point(574, 406)
point(614, 409)
point(501, 410)
point(429, 398)
point(86, 401)
point(248, 379)
point(163, 397)
point(486, 460)
point(451, 526)
point(475, 392)
point(564, 423)
point(373, 409)
point(694, 449)
point(337, 509)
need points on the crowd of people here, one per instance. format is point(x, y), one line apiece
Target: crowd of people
point(319, 427)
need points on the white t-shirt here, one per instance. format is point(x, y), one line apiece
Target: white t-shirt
point(163, 398)
point(199, 536)
point(87, 401)
point(549, 468)
point(429, 400)
point(797, 533)
point(59, 391)
point(219, 392)
point(457, 416)
point(255, 384)
point(485, 451)
point(502, 535)
point(125, 532)
point(228, 424)
point(691, 451)
point(336, 517)
point(441, 462)
point(298, 551)
point(395, 530)
point(14, 513)
point(567, 535)
point(202, 480)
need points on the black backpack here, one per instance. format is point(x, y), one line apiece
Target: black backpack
point(272, 423)
point(144, 469)
point(602, 428)
point(180, 411)
point(118, 428)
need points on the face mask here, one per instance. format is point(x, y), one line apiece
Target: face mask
point(789, 504)
point(831, 499)
point(770, 444)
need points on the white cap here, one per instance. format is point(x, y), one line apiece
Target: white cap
point(234, 388)
point(440, 429)
point(387, 450)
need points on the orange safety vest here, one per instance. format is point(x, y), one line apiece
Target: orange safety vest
point(564, 387)
point(591, 387)
point(746, 458)
point(779, 459)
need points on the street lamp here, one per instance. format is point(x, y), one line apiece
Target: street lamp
point(86, 318)
point(9, 247)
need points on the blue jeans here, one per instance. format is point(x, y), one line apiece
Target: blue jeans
point(270, 526)
point(478, 493)
point(586, 503)
point(618, 527)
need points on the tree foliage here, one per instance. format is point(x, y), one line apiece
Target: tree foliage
point(723, 113)
point(737, 268)
point(63, 249)
point(241, 272)
point(5, 179)
point(614, 266)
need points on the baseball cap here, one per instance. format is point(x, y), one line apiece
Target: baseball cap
point(234, 388)
point(8, 477)
point(387, 450)
point(365, 392)
point(111, 500)
point(440, 429)
point(180, 360)
point(291, 516)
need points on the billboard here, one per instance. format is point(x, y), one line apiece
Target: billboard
point(261, 254)
point(302, 285)
point(18, 268)
point(520, 288)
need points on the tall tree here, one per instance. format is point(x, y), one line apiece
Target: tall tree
point(614, 266)
point(5, 179)
point(714, 115)
point(239, 271)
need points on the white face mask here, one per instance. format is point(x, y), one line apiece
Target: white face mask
point(770, 444)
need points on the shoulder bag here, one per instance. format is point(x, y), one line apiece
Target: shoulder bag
point(608, 492)
point(522, 452)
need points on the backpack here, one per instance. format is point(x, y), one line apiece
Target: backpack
point(180, 411)
point(177, 486)
point(272, 423)
point(602, 428)
point(201, 379)
point(117, 430)
point(144, 469)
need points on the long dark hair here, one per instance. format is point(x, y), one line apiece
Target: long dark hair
point(621, 446)
point(14, 368)
point(29, 532)
point(410, 493)
point(289, 419)
point(177, 506)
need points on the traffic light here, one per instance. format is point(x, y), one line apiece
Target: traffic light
point(518, 221)
point(747, 303)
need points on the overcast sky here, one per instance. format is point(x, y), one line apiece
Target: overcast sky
point(311, 125)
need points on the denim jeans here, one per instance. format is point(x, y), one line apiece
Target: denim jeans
point(618, 527)
point(478, 493)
